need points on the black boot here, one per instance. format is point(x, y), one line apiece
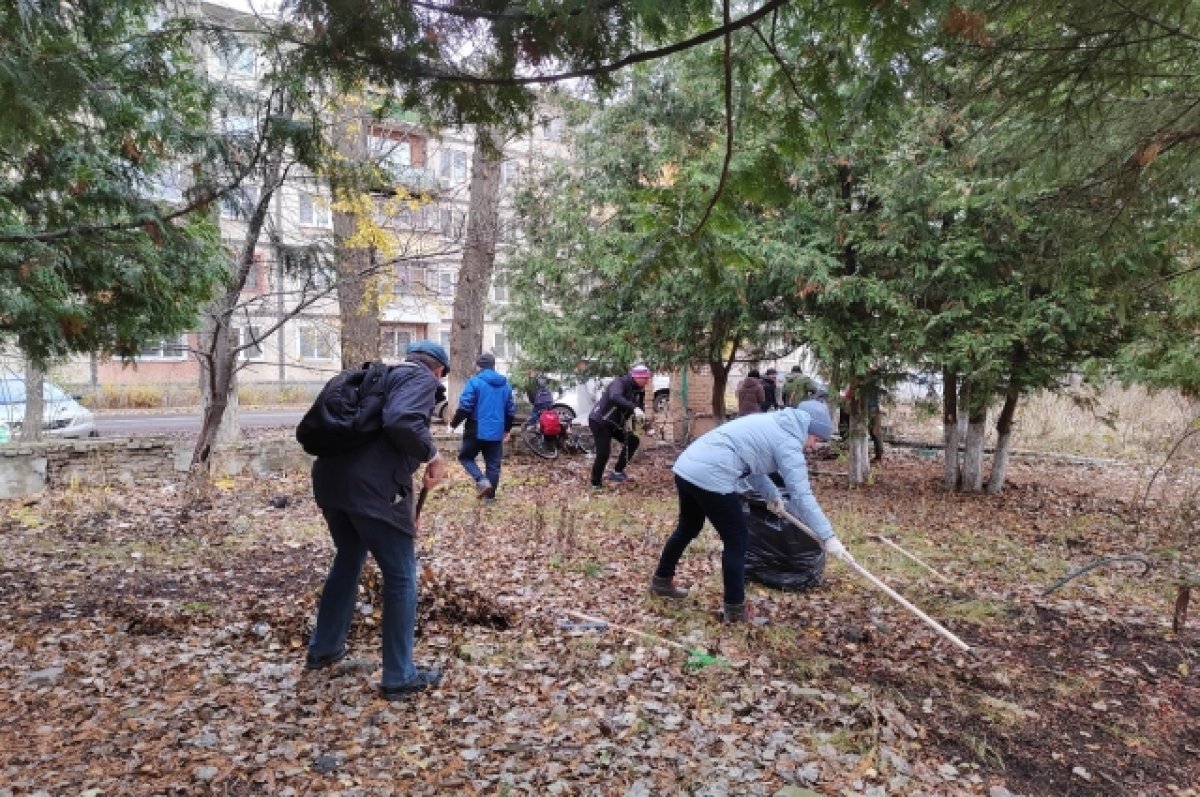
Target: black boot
point(665, 588)
point(735, 613)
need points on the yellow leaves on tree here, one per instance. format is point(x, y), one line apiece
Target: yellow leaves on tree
point(373, 218)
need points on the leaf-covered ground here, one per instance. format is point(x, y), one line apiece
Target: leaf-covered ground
point(151, 651)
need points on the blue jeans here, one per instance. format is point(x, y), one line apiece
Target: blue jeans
point(493, 452)
point(394, 551)
point(724, 510)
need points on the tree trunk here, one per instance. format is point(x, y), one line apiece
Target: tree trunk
point(479, 258)
point(1004, 426)
point(950, 436)
point(972, 480)
point(216, 354)
point(859, 458)
point(358, 295)
point(35, 403)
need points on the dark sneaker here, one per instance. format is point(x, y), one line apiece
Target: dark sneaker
point(618, 477)
point(482, 488)
point(426, 677)
point(312, 662)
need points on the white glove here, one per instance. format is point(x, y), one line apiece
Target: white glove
point(834, 547)
point(639, 413)
point(775, 506)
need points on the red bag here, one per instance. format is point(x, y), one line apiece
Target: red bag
point(550, 423)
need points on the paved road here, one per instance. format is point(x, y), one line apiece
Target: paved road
point(132, 425)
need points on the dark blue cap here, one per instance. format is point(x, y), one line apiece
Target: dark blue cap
point(427, 347)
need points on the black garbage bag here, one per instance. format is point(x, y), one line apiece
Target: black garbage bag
point(778, 554)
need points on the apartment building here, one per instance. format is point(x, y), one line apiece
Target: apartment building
point(286, 323)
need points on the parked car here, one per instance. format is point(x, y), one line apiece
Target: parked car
point(62, 414)
point(918, 386)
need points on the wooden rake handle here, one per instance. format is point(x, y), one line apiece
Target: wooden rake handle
point(884, 588)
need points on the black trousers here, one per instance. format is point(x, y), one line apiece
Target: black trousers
point(604, 435)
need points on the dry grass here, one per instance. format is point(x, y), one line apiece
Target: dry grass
point(1130, 424)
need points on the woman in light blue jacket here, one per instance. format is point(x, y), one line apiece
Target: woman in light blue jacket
point(711, 474)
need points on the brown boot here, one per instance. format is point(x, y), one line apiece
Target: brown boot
point(735, 613)
point(665, 588)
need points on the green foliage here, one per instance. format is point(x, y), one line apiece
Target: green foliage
point(97, 108)
point(613, 268)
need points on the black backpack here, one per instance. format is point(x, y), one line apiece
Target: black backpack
point(348, 412)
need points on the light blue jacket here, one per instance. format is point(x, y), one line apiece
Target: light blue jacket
point(746, 450)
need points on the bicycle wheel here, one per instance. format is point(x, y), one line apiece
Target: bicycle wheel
point(584, 441)
point(537, 442)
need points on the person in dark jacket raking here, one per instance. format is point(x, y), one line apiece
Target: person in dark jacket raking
point(487, 406)
point(624, 398)
point(366, 497)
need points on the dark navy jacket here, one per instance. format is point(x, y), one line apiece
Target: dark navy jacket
point(620, 399)
point(376, 479)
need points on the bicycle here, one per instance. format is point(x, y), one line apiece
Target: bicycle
point(573, 439)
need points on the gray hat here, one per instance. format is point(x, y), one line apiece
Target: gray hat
point(820, 425)
point(485, 360)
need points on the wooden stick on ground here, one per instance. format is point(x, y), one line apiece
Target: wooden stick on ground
point(587, 618)
point(896, 547)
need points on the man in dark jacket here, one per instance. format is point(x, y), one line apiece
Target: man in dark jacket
point(770, 390)
point(366, 496)
point(624, 397)
point(487, 405)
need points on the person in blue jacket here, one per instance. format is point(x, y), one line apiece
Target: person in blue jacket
point(712, 472)
point(366, 497)
point(487, 406)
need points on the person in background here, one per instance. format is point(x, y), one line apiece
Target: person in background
point(487, 406)
point(539, 395)
point(770, 391)
point(366, 497)
point(796, 387)
point(751, 395)
point(708, 480)
point(624, 398)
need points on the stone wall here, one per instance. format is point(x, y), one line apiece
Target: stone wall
point(30, 468)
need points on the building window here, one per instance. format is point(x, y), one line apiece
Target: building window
point(452, 165)
point(395, 343)
point(248, 342)
point(500, 286)
point(239, 202)
point(510, 172)
point(410, 279)
point(256, 275)
point(313, 210)
point(445, 283)
point(552, 129)
point(452, 222)
point(315, 343)
point(168, 183)
point(165, 349)
point(500, 347)
point(444, 338)
point(390, 152)
point(236, 59)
